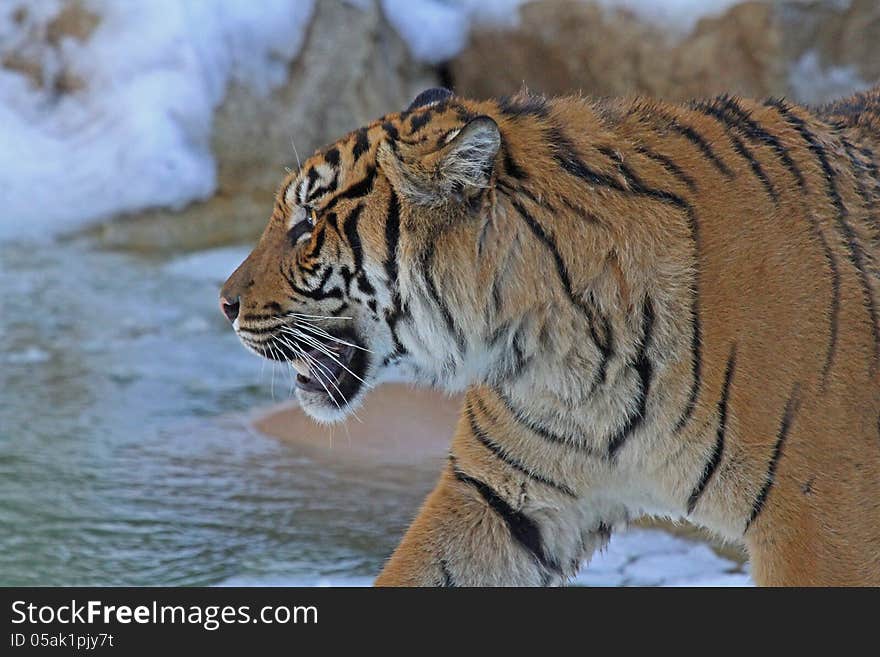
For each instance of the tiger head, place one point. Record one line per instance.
(336, 284)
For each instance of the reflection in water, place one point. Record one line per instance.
(121, 462)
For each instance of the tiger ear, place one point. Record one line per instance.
(458, 171)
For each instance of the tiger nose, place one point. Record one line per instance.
(230, 308)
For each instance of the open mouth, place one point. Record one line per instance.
(317, 369)
(332, 367)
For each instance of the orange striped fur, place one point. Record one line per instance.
(653, 308)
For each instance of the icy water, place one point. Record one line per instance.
(125, 455)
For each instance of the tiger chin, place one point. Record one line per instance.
(653, 309)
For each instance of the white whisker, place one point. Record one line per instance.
(324, 350)
(298, 164)
(323, 334)
(316, 368)
(296, 315)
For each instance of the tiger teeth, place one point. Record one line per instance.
(301, 367)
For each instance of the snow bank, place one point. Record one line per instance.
(138, 134)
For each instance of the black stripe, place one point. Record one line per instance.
(832, 265)
(635, 185)
(858, 169)
(517, 106)
(606, 346)
(669, 164)
(717, 451)
(711, 110)
(392, 317)
(644, 369)
(392, 236)
(791, 407)
(696, 336)
(849, 239)
(427, 97)
(567, 157)
(354, 239)
(753, 130)
(418, 121)
(361, 144)
(501, 453)
(312, 177)
(318, 293)
(331, 157)
(326, 189)
(248, 317)
(605, 349)
(264, 330)
(320, 235)
(391, 131)
(694, 137)
(446, 577)
(427, 262)
(366, 287)
(522, 528)
(519, 357)
(541, 431)
(511, 168)
(497, 299)
(357, 190)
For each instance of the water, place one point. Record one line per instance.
(126, 457)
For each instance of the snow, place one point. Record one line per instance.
(643, 557)
(813, 83)
(436, 31)
(679, 16)
(638, 557)
(138, 135)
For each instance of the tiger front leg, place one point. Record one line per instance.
(491, 521)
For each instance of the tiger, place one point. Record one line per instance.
(651, 309)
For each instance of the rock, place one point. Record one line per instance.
(738, 52)
(753, 49)
(36, 53)
(352, 68)
(565, 46)
(74, 20)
